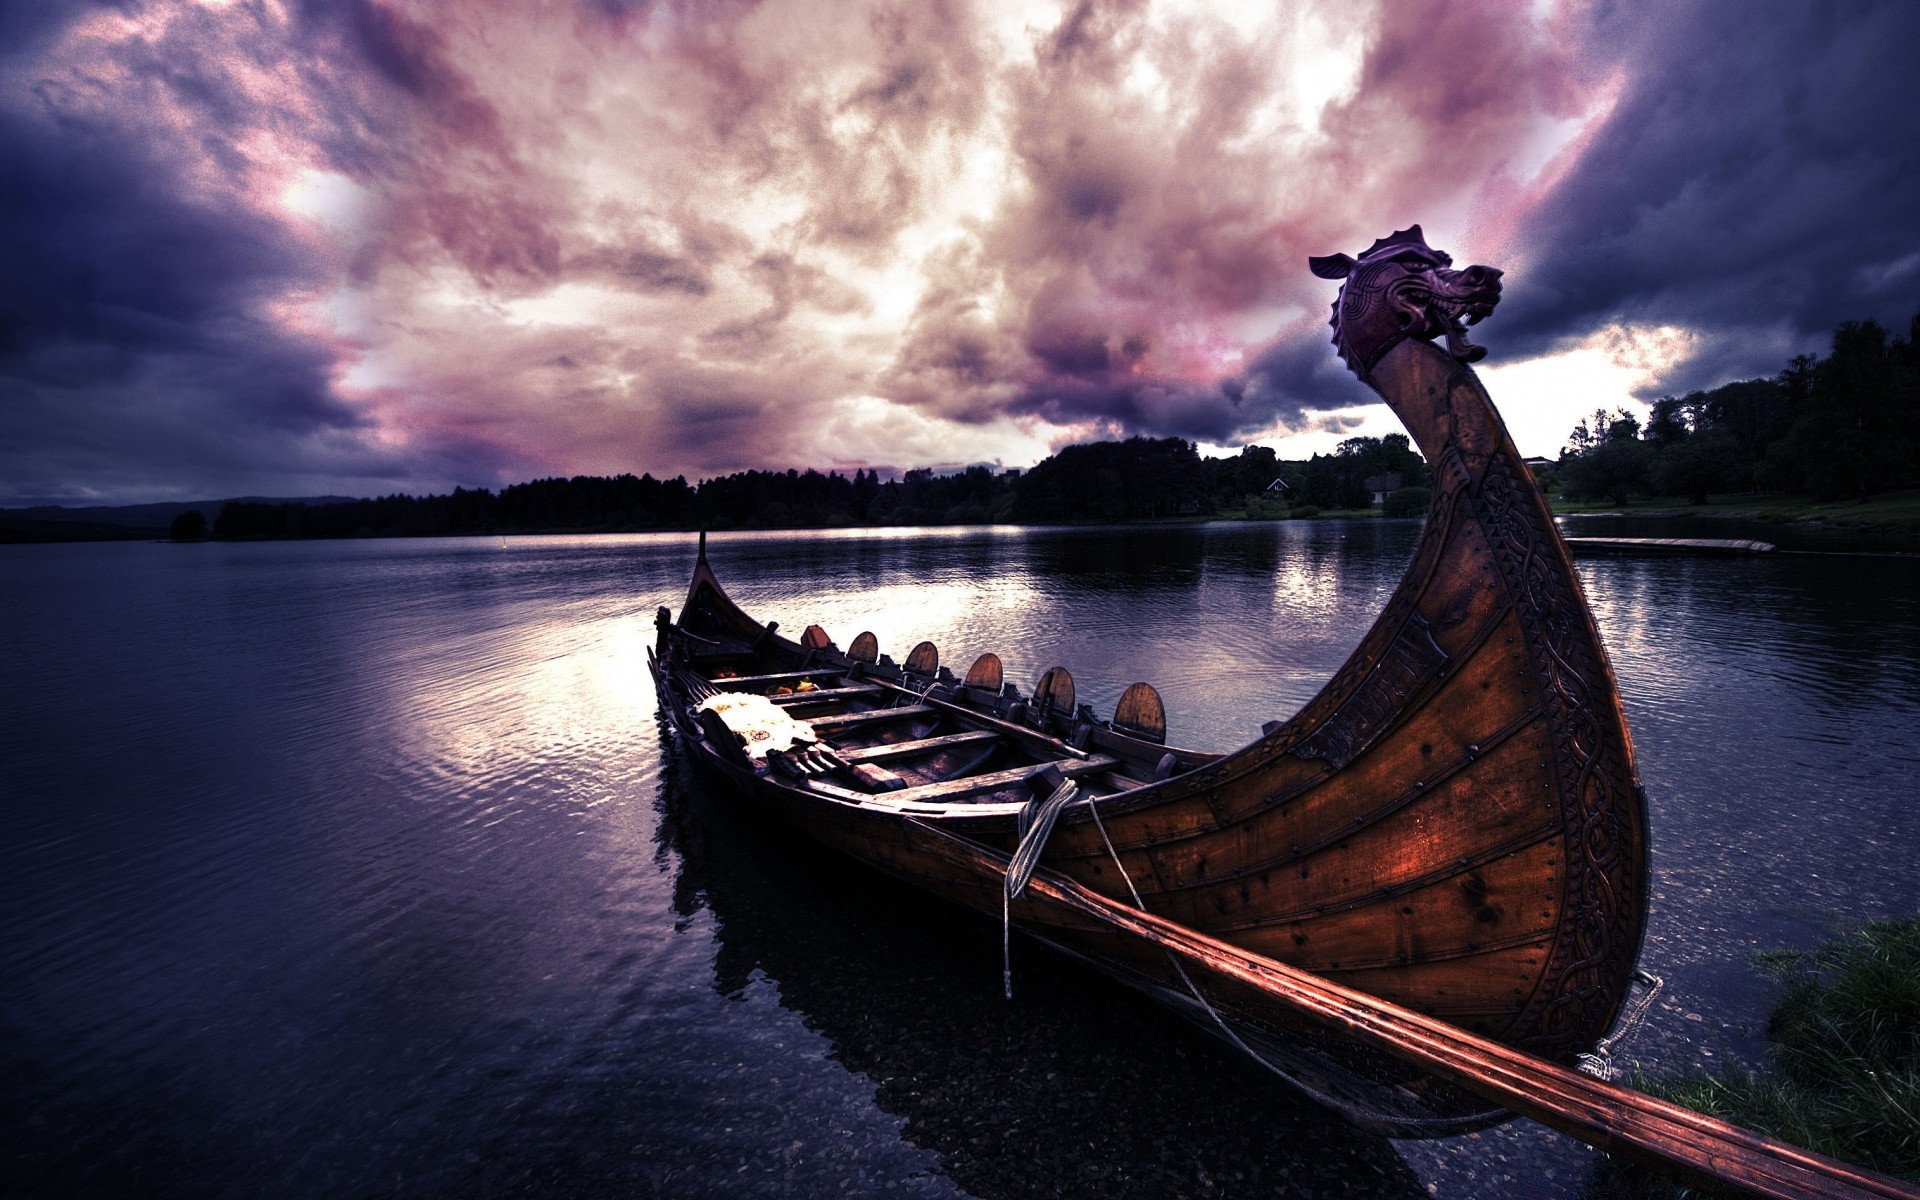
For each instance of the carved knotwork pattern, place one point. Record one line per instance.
(1587, 971)
(1408, 663)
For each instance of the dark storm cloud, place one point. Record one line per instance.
(136, 350)
(1757, 182)
(698, 237)
(1149, 226)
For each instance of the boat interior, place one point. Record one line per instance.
(909, 737)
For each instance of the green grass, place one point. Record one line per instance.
(1846, 1053)
(1889, 510)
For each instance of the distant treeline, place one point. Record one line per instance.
(1843, 426)
(1137, 479)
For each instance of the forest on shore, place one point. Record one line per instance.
(1840, 426)
(1133, 480)
(1843, 426)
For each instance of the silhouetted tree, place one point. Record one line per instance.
(189, 526)
(1844, 425)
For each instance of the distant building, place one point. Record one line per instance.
(1536, 462)
(1381, 485)
(1279, 485)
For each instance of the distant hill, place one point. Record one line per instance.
(121, 522)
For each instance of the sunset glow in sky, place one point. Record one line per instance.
(253, 247)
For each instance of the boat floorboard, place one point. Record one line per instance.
(993, 781)
(846, 720)
(886, 750)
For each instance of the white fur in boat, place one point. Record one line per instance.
(762, 725)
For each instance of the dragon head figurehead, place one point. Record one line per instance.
(1403, 288)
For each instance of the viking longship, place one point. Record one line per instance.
(1453, 825)
(1419, 899)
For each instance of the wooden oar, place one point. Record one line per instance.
(1654, 1133)
(1031, 737)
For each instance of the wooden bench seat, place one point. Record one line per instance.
(847, 720)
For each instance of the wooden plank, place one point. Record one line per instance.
(1147, 752)
(777, 677)
(1667, 1137)
(888, 802)
(888, 750)
(993, 781)
(826, 695)
(1639, 545)
(1031, 738)
(846, 720)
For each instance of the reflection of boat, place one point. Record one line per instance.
(1441, 859)
(901, 986)
(1453, 824)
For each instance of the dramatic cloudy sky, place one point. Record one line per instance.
(361, 245)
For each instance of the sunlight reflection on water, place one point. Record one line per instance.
(353, 867)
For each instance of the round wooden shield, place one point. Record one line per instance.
(1141, 714)
(985, 672)
(865, 648)
(925, 659)
(1054, 692)
(815, 638)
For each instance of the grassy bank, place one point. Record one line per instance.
(1845, 1039)
(1898, 511)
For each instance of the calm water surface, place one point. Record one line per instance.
(359, 868)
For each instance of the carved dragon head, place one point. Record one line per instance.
(1402, 288)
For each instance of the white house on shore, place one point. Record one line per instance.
(1380, 486)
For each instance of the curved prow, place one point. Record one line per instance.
(1454, 822)
(709, 611)
(1486, 664)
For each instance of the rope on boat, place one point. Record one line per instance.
(1416, 1126)
(1598, 1062)
(1036, 825)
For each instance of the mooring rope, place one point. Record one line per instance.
(1036, 825)
(1598, 1062)
(1352, 1112)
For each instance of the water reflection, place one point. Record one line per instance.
(1846, 629)
(1075, 1087)
(337, 868)
(1792, 535)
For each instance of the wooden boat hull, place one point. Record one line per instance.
(1453, 824)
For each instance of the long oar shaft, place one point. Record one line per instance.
(1619, 1120)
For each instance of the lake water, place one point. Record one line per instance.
(358, 868)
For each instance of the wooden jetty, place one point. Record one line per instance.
(1696, 546)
